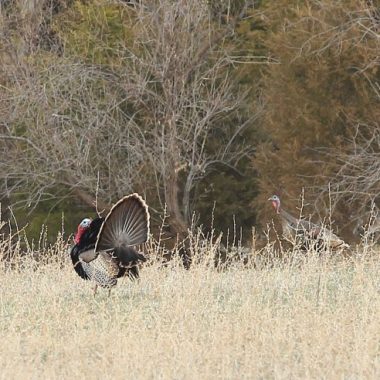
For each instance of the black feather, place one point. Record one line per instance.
(128, 259)
(87, 241)
(74, 254)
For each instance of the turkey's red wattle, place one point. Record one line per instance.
(79, 234)
(276, 206)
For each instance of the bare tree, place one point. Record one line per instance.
(145, 125)
(187, 98)
(356, 181)
(356, 178)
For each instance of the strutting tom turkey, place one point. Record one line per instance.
(104, 247)
(308, 234)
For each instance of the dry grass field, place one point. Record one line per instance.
(318, 319)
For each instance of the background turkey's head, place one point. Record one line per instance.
(275, 199)
(82, 227)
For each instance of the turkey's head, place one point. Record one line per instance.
(276, 203)
(82, 227)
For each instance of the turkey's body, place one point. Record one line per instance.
(104, 251)
(101, 272)
(306, 234)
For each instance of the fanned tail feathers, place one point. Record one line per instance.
(126, 225)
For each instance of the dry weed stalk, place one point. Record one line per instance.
(307, 321)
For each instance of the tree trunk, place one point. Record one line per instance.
(177, 221)
(178, 225)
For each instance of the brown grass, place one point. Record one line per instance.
(316, 320)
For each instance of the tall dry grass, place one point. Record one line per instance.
(307, 318)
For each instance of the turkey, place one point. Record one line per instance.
(104, 247)
(308, 234)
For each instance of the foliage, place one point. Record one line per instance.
(125, 111)
(292, 91)
(313, 98)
